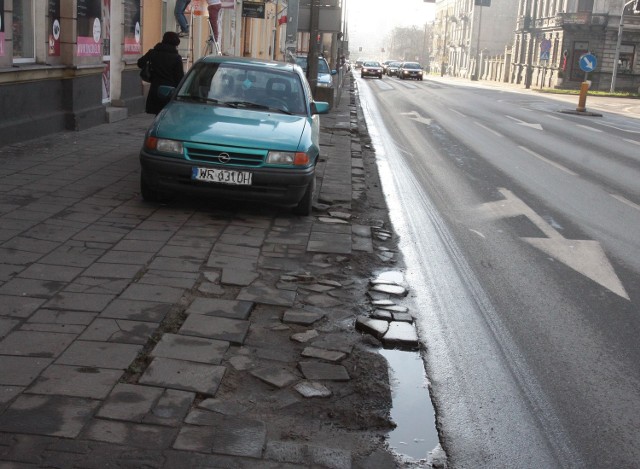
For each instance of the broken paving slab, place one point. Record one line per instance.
(238, 277)
(190, 348)
(322, 301)
(275, 376)
(149, 437)
(184, 375)
(303, 337)
(376, 327)
(264, 294)
(316, 371)
(390, 289)
(308, 455)
(301, 317)
(311, 389)
(402, 317)
(232, 309)
(402, 335)
(76, 381)
(232, 436)
(323, 354)
(382, 314)
(129, 402)
(213, 327)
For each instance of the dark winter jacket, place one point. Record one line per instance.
(166, 69)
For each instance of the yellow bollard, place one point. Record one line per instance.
(582, 102)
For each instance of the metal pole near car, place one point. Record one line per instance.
(616, 57)
(312, 58)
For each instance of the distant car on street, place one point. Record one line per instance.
(385, 65)
(235, 128)
(325, 74)
(371, 68)
(410, 70)
(392, 69)
(359, 63)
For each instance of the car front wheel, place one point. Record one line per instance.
(305, 205)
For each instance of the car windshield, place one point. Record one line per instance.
(394, 64)
(323, 67)
(371, 64)
(411, 65)
(244, 85)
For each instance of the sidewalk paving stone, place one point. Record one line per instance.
(144, 436)
(99, 354)
(212, 327)
(109, 270)
(62, 380)
(35, 343)
(183, 375)
(158, 293)
(232, 309)
(148, 311)
(52, 316)
(51, 272)
(19, 306)
(262, 293)
(225, 435)
(238, 277)
(317, 371)
(79, 301)
(31, 287)
(129, 402)
(21, 371)
(171, 409)
(308, 455)
(275, 376)
(48, 415)
(119, 330)
(195, 349)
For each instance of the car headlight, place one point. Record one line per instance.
(164, 145)
(287, 157)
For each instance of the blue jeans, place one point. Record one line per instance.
(181, 5)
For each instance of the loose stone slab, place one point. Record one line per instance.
(230, 330)
(278, 377)
(401, 334)
(224, 406)
(402, 317)
(184, 375)
(303, 337)
(382, 314)
(99, 354)
(238, 277)
(227, 435)
(232, 309)
(304, 318)
(191, 348)
(48, 415)
(323, 371)
(375, 327)
(395, 308)
(131, 434)
(171, 409)
(323, 354)
(312, 389)
(396, 290)
(136, 310)
(129, 402)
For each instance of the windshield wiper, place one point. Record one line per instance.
(251, 105)
(191, 97)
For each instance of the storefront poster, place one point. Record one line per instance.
(1, 28)
(89, 28)
(132, 31)
(54, 28)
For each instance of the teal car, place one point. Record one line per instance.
(236, 128)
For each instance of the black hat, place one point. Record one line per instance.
(171, 38)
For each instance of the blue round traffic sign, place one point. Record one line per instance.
(588, 62)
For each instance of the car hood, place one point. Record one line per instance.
(220, 125)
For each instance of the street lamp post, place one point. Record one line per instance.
(616, 57)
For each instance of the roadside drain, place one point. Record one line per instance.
(415, 435)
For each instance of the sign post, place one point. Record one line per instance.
(588, 63)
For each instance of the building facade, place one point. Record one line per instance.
(72, 64)
(466, 32)
(552, 35)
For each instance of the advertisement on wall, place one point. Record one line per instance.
(54, 28)
(132, 32)
(1, 28)
(89, 28)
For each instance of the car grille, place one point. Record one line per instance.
(235, 158)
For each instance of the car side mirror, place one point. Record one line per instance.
(319, 107)
(333, 72)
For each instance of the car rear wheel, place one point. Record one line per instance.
(305, 205)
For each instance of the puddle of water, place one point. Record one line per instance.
(415, 434)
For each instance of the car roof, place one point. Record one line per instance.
(258, 63)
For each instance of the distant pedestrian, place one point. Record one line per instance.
(166, 69)
(181, 6)
(213, 6)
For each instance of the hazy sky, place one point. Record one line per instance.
(371, 20)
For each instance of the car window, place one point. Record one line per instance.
(229, 82)
(323, 67)
(411, 65)
(371, 64)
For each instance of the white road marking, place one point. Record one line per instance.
(631, 141)
(413, 115)
(478, 233)
(497, 134)
(526, 124)
(584, 256)
(554, 117)
(591, 129)
(548, 161)
(458, 112)
(607, 124)
(625, 201)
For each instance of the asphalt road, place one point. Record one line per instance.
(520, 229)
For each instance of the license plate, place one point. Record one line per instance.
(222, 176)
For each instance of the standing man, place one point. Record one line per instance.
(181, 6)
(214, 10)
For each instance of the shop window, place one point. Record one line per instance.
(626, 57)
(23, 31)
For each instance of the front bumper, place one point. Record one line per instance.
(280, 186)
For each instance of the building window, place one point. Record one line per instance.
(23, 31)
(585, 5)
(626, 57)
